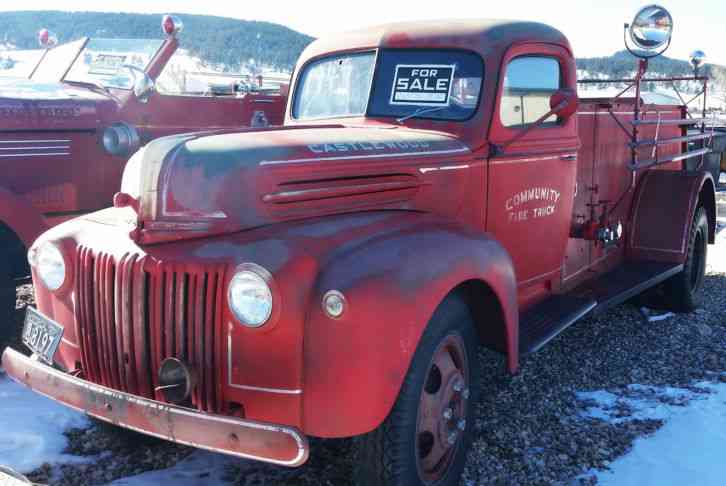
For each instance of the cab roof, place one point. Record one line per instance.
(485, 36)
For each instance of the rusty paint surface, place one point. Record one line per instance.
(393, 216)
(242, 438)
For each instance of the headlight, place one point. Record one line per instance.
(121, 139)
(250, 298)
(49, 264)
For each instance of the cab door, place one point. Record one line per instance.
(532, 181)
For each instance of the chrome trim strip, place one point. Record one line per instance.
(67, 342)
(373, 156)
(540, 276)
(535, 159)
(424, 170)
(35, 154)
(35, 141)
(283, 391)
(44, 147)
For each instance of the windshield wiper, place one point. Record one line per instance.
(419, 111)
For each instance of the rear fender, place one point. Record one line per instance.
(354, 365)
(20, 216)
(663, 209)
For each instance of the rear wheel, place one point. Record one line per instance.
(681, 290)
(425, 438)
(9, 329)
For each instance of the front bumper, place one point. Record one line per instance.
(272, 443)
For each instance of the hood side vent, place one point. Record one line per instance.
(344, 187)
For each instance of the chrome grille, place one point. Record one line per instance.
(133, 313)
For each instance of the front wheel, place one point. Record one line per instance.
(425, 438)
(681, 290)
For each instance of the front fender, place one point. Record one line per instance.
(21, 217)
(393, 282)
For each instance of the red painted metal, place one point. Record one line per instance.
(393, 216)
(65, 122)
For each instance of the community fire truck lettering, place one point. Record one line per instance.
(536, 194)
(532, 194)
(335, 276)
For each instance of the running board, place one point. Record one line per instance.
(544, 321)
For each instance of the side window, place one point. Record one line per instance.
(529, 82)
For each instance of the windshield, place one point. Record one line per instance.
(423, 83)
(101, 61)
(335, 86)
(56, 62)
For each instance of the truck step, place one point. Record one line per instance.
(547, 319)
(544, 321)
(625, 282)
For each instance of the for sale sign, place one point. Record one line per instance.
(422, 84)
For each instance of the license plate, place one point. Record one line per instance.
(41, 335)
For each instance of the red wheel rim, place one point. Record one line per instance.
(442, 409)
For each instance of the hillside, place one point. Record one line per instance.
(622, 65)
(216, 39)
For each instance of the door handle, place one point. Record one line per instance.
(568, 158)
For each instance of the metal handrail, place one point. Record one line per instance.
(666, 141)
(678, 121)
(671, 158)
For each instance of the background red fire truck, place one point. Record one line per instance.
(67, 131)
(436, 186)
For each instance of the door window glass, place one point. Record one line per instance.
(529, 83)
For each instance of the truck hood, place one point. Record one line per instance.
(29, 105)
(201, 184)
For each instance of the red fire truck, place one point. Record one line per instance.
(67, 131)
(436, 186)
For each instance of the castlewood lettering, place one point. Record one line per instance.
(322, 148)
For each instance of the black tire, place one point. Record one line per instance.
(389, 455)
(681, 291)
(9, 328)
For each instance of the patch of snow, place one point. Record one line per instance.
(32, 428)
(635, 402)
(199, 469)
(18, 64)
(688, 449)
(655, 316)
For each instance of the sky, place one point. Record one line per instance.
(594, 27)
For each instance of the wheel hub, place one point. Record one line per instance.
(442, 409)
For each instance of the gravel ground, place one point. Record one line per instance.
(529, 430)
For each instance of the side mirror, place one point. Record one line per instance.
(144, 86)
(564, 103)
